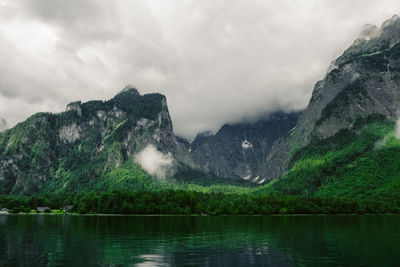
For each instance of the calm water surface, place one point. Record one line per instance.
(199, 241)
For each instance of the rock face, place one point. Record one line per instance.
(47, 147)
(365, 80)
(238, 150)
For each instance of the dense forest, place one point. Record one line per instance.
(362, 163)
(192, 202)
(355, 171)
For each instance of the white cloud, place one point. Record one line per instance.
(398, 128)
(216, 61)
(155, 162)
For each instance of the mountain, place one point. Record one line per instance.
(345, 144)
(238, 150)
(361, 164)
(3, 125)
(75, 149)
(364, 81)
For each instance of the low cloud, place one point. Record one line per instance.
(155, 162)
(382, 142)
(398, 128)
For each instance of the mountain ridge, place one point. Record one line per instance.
(74, 147)
(238, 149)
(364, 80)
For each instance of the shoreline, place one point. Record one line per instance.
(195, 215)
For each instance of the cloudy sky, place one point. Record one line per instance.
(217, 61)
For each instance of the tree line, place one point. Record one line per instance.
(191, 202)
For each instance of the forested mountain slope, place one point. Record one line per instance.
(361, 163)
(73, 149)
(364, 81)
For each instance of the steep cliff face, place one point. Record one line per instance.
(365, 80)
(238, 150)
(70, 149)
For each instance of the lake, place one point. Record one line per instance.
(46, 240)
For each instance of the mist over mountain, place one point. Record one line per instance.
(363, 81)
(215, 62)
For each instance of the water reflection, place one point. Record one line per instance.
(199, 241)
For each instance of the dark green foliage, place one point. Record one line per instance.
(146, 106)
(47, 211)
(130, 176)
(355, 171)
(36, 159)
(20, 209)
(190, 202)
(31, 145)
(186, 174)
(362, 164)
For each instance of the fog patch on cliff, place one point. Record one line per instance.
(3, 125)
(155, 162)
(397, 129)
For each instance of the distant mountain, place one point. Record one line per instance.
(238, 150)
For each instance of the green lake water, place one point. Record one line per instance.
(45, 240)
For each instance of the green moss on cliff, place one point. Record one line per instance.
(362, 163)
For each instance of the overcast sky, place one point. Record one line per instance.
(217, 61)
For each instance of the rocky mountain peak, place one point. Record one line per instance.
(373, 40)
(393, 22)
(363, 81)
(369, 31)
(129, 89)
(390, 26)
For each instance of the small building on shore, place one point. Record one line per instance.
(68, 208)
(4, 211)
(43, 209)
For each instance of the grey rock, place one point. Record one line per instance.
(34, 152)
(238, 150)
(364, 80)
